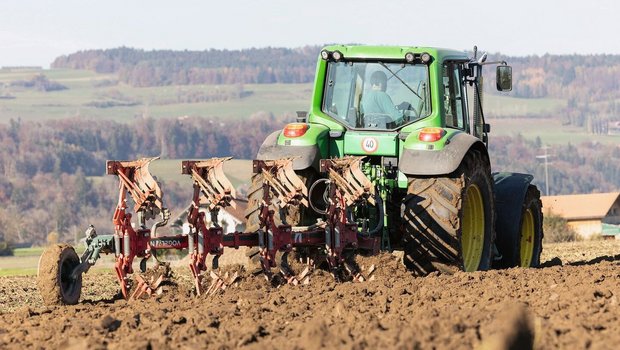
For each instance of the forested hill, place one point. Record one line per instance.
(165, 67)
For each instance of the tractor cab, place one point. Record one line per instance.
(375, 94)
(367, 88)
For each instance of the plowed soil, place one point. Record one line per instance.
(571, 302)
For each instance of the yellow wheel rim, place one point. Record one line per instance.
(526, 246)
(472, 232)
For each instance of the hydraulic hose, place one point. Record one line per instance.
(379, 226)
(325, 194)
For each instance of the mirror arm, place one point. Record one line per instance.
(503, 63)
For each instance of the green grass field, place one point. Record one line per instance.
(25, 261)
(85, 87)
(505, 106)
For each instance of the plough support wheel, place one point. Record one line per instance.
(55, 279)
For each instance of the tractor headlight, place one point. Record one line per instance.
(409, 57)
(337, 55)
(426, 57)
(325, 55)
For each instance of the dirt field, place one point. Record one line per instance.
(570, 303)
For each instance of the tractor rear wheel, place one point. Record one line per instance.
(449, 221)
(54, 277)
(255, 197)
(295, 215)
(526, 245)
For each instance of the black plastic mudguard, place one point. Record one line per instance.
(444, 161)
(510, 191)
(305, 156)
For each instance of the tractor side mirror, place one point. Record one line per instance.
(503, 78)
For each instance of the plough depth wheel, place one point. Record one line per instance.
(55, 278)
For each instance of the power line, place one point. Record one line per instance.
(546, 158)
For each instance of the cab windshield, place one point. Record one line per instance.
(376, 95)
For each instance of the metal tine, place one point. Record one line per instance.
(223, 179)
(214, 184)
(357, 174)
(216, 178)
(351, 194)
(282, 188)
(350, 179)
(277, 187)
(143, 177)
(291, 190)
(288, 182)
(342, 185)
(227, 188)
(140, 183)
(141, 288)
(212, 195)
(292, 177)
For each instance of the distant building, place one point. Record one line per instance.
(587, 214)
(613, 128)
(230, 219)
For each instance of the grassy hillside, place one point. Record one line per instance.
(121, 102)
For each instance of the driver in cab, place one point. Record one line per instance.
(377, 101)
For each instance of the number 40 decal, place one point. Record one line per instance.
(370, 144)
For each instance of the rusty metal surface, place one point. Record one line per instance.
(345, 173)
(136, 179)
(285, 185)
(209, 175)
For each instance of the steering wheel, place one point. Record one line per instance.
(408, 111)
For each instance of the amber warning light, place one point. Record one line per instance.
(431, 134)
(295, 129)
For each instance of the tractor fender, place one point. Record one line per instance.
(442, 161)
(510, 191)
(305, 156)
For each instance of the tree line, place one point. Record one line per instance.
(66, 145)
(166, 67)
(576, 168)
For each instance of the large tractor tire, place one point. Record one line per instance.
(255, 197)
(449, 221)
(54, 276)
(295, 215)
(526, 243)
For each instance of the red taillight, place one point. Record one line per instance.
(431, 134)
(295, 129)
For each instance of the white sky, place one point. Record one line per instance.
(35, 32)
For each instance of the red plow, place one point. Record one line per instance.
(332, 241)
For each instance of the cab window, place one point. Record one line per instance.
(454, 101)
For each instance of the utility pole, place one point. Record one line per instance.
(546, 158)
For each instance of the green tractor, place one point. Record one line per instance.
(413, 118)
